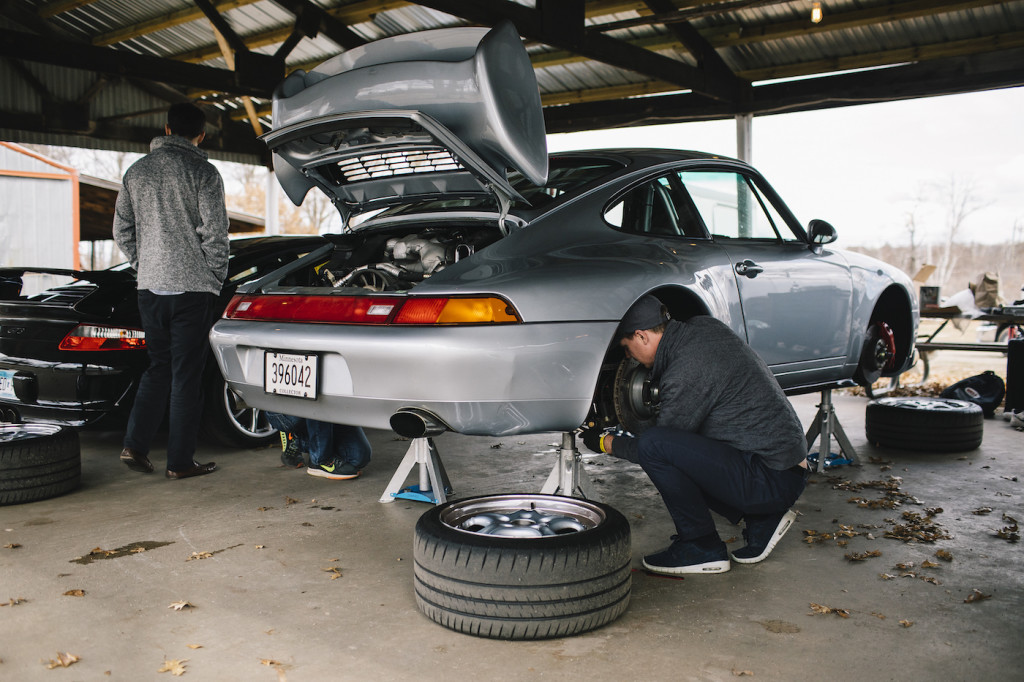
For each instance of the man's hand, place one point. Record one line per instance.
(591, 436)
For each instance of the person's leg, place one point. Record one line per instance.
(190, 328)
(351, 445)
(154, 386)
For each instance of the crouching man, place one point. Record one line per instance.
(726, 439)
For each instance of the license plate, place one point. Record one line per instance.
(7, 384)
(290, 374)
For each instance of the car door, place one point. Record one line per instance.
(796, 300)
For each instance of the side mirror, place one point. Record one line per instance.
(820, 232)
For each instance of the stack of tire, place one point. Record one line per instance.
(38, 461)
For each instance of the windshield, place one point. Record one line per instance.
(564, 175)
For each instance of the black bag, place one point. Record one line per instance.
(985, 389)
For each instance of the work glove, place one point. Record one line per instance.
(591, 437)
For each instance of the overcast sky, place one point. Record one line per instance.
(861, 167)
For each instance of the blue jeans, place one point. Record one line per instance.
(177, 329)
(324, 441)
(697, 475)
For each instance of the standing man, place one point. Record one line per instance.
(726, 439)
(171, 222)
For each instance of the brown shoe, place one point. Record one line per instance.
(196, 470)
(136, 461)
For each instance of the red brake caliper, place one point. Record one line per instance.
(889, 339)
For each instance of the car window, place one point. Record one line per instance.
(656, 207)
(732, 207)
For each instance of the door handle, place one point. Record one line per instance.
(748, 268)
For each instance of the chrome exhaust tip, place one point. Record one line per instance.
(410, 422)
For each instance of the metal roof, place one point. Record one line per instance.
(100, 73)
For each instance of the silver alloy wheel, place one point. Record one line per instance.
(24, 431)
(523, 516)
(249, 421)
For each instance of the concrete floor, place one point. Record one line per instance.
(308, 579)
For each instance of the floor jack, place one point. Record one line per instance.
(826, 424)
(434, 486)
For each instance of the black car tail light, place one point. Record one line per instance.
(96, 337)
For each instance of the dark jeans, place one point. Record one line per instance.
(325, 442)
(177, 329)
(696, 475)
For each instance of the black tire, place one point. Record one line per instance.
(519, 588)
(37, 462)
(924, 424)
(229, 421)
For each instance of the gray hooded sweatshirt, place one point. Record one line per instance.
(712, 383)
(170, 219)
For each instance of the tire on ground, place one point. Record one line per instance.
(519, 588)
(220, 419)
(38, 461)
(924, 424)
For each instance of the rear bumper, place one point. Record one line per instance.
(488, 380)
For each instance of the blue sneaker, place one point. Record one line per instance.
(762, 533)
(684, 557)
(337, 471)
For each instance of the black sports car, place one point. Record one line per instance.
(73, 354)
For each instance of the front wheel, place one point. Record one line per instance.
(522, 566)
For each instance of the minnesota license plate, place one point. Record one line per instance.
(290, 374)
(7, 384)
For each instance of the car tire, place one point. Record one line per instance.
(230, 423)
(924, 424)
(506, 581)
(38, 461)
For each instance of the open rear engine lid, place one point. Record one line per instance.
(435, 114)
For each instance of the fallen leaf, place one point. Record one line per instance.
(822, 609)
(75, 593)
(194, 646)
(290, 500)
(199, 555)
(138, 550)
(929, 564)
(905, 566)
(14, 601)
(179, 605)
(977, 596)
(943, 554)
(176, 668)
(743, 673)
(879, 616)
(99, 551)
(980, 511)
(269, 662)
(263, 508)
(906, 623)
(260, 547)
(334, 571)
(12, 545)
(64, 660)
(929, 579)
(861, 556)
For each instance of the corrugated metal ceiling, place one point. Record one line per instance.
(598, 63)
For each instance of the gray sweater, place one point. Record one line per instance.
(712, 383)
(170, 219)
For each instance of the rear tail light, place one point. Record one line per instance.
(372, 310)
(95, 337)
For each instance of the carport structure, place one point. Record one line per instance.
(282, 577)
(100, 73)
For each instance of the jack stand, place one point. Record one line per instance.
(568, 477)
(434, 485)
(827, 424)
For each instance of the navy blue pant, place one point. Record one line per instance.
(697, 475)
(325, 442)
(177, 329)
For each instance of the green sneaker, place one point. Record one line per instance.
(338, 471)
(291, 456)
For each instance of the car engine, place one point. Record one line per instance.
(407, 260)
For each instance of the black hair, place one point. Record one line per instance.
(186, 119)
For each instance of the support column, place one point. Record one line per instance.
(745, 137)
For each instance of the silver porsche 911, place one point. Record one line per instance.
(478, 282)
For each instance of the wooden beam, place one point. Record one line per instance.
(52, 9)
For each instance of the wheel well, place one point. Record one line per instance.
(893, 308)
